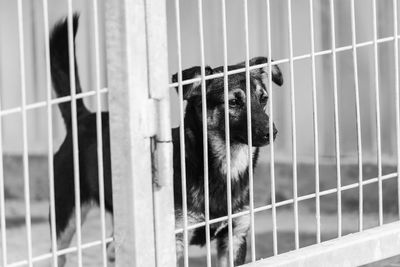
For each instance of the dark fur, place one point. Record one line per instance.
(216, 128)
(63, 159)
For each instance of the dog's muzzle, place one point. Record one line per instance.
(263, 139)
(266, 137)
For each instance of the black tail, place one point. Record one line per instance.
(60, 68)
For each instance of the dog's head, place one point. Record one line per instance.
(237, 101)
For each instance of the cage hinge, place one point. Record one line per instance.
(158, 129)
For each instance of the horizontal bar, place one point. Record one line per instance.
(291, 201)
(351, 250)
(54, 101)
(60, 252)
(285, 60)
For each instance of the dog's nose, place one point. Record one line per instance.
(266, 137)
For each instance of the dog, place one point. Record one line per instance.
(88, 171)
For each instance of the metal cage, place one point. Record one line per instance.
(136, 45)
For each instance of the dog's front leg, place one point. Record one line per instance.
(239, 250)
(240, 229)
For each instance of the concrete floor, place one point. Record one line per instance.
(15, 210)
(17, 249)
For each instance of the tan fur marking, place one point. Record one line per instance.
(242, 225)
(192, 218)
(64, 239)
(239, 156)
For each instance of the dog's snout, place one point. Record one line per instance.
(274, 133)
(266, 136)
(261, 135)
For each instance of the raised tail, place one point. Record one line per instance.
(60, 75)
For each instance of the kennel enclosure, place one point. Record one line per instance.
(346, 111)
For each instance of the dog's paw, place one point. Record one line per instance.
(111, 252)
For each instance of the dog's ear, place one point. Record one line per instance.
(276, 72)
(191, 89)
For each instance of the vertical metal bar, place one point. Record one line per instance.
(293, 113)
(25, 158)
(336, 118)
(163, 196)
(315, 124)
(205, 135)
(358, 122)
(74, 122)
(249, 139)
(2, 199)
(378, 111)
(397, 101)
(227, 137)
(99, 135)
(182, 137)
(130, 148)
(271, 126)
(50, 136)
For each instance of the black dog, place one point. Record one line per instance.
(63, 159)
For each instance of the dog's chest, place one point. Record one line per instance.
(239, 158)
(239, 162)
(217, 182)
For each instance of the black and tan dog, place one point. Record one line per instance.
(63, 159)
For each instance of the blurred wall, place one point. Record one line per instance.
(302, 69)
(35, 68)
(34, 47)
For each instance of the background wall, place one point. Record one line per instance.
(10, 85)
(34, 48)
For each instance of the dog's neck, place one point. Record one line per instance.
(239, 156)
(239, 152)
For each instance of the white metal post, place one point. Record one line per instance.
(25, 156)
(397, 93)
(249, 139)
(336, 119)
(377, 111)
(294, 132)
(205, 134)
(182, 137)
(75, 141)
(50, 148)
(271, 143)
(227, 137)
(358, 120)
(156, 28)
(130, 149)
(315, 124)
(99, 135)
